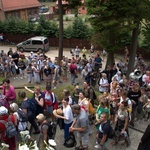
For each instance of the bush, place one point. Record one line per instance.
(59, 91)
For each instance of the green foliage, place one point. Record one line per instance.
(79, 29)
(59, 91)
(113, 21)
(146, 41)
(68, 32)
(46, 28)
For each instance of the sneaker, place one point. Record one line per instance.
(21, 78)
(97, 146)
(54, 87)
(14, 78)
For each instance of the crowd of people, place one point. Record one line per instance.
(121, 102)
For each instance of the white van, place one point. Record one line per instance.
(35, 44)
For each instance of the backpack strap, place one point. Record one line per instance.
(45, 123)
(53, 97)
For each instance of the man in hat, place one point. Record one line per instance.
(4, 116)
(81, 125)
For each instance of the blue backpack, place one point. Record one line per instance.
(32, 105)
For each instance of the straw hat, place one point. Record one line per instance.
(57, 112)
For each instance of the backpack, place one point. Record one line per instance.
(91, 109)
(54, 100)
(23, 116)
(70, 141)
(32, 105)
(72, 70)
(10, 128)
(111, 132)
(51, 132)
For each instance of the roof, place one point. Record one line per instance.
(19, 4)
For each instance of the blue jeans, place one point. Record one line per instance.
(72, 78)
(104, 145)
(66, 130)
(31, 119)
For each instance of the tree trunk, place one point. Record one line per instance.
(60, 53)
(132, 51)
(110, 59)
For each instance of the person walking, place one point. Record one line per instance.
(73, 72)
(81, 125)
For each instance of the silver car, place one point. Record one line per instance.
(35, 44)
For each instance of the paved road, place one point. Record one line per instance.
(134, 135)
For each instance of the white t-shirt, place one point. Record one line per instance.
(101, 83)
(122, 114)
(127, 100)
(67, 111)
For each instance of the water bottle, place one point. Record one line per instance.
(125, 134)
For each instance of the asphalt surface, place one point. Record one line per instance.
(134, 134)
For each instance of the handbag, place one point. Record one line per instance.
(70, 141)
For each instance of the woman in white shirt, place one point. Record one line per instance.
(103, 83)
(67, 116)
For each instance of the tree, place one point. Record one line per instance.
(146, 33)
(113, 19)
(71, 4)
(110, 27)
(136, 11)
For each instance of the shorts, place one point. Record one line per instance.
(84, 138)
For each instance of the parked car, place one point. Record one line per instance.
(36, 44)
(43, 9)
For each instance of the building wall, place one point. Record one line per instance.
(23, 14)
(2, 17)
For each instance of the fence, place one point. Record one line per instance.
(69, 43)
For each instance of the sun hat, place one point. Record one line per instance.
(57, 112)
(3, 110)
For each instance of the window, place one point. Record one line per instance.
(45, 41)
(28, 42)
(34, 42)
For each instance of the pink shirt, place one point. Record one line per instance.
(10, 93)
